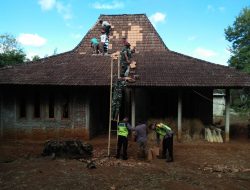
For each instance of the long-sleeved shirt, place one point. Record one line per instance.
(141, 133)
(105, 23)
(129, 126)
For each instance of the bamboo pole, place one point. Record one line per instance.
(119, 76)
(110, 103)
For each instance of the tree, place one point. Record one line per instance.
(239, 35)
(35, 58)
(10, 51)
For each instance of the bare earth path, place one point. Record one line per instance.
(198, 165)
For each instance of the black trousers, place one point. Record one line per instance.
(122, 144)
(167, 148)
(107, 30)
(105, 47)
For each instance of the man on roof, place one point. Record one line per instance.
(125, 41)
(125, 59)
(106, 26)
(95, 45)
(104, 42)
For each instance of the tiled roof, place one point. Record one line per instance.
(137, 28)
(157, 67)
(67, 69)
(173, 69)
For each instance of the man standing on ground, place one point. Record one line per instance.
(123, 130)
(141, 139)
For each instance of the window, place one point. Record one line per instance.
(22, 107)
(51, 106)
(65, 107)
(37, 106)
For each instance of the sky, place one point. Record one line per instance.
(191, 27)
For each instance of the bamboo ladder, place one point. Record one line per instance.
(114, 56)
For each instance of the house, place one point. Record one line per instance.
(67, 95)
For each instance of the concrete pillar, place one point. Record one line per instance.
(227, 115)
(127, 99)
(179, 115)
(133, 108)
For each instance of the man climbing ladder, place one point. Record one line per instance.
(117, 87)
(125, 60)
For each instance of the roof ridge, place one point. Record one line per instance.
(56, 55)
(36, 61)
(197, 59)
(156, 33)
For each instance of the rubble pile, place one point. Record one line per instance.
(109, 161)
(223, 169)
(68, 149)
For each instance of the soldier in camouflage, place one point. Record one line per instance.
(125, 59)
(117, 97)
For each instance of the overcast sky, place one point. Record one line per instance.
(191, 27)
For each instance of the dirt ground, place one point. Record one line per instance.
(197, 165)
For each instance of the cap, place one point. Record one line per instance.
(127, 44)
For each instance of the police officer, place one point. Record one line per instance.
(167, 134)
(123, 130)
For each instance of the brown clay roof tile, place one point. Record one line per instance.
(156, 64)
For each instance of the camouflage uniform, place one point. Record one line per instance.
(123, 61)
(117, 98)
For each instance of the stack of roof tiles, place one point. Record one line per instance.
(156, 64)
